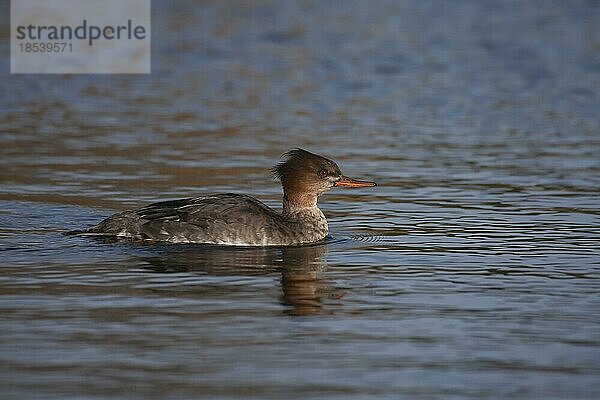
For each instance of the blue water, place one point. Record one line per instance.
(471, 271)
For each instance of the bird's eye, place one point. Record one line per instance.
(323, 173)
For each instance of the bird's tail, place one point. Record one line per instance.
(94, 230)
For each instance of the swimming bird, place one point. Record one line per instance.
(238, 219)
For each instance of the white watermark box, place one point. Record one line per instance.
(80, 36)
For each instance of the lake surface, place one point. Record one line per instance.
(471, 271)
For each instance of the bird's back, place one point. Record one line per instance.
(231, 219)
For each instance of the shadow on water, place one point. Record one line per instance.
(303, 283)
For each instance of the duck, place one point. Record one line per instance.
(233, 219)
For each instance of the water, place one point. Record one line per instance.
(471, 271)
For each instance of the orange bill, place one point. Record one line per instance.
(349, 182)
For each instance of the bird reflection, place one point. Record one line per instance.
(303, 285)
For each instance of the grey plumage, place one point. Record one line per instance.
(235, 219)
(225, 218)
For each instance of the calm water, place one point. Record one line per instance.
(472, 271)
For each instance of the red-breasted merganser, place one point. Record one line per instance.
(236, 219)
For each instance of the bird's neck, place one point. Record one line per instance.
(294, 202)
(304, 218)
